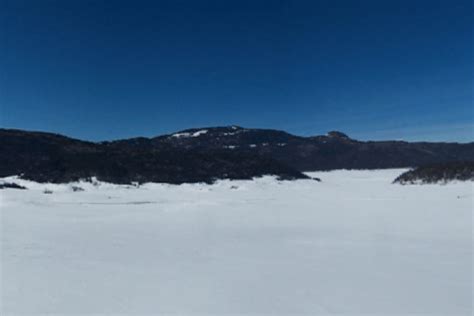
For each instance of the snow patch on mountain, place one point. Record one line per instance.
(189, 134)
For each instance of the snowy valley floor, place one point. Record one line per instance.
(353, 244)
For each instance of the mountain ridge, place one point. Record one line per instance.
(209, 153)
(224, 127)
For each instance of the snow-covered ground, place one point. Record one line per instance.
(353, 244)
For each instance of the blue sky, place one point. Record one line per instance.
(114, 69)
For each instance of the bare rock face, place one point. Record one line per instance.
(207, 154)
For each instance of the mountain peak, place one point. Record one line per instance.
(209, 131)
(337, 134)
(207, 153)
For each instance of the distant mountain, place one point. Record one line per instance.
(435, 173)
(206, 154)
(335, 150)
(45, 157)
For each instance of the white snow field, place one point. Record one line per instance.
(353, 244)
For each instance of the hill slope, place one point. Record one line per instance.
(206, 154)
(54, 158)
(434, 173)
(326, 152)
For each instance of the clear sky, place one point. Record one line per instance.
(391, 69)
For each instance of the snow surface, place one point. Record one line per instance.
(353, 244)
(186, 134)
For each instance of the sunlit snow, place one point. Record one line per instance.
(353, 244)
(186, 134)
